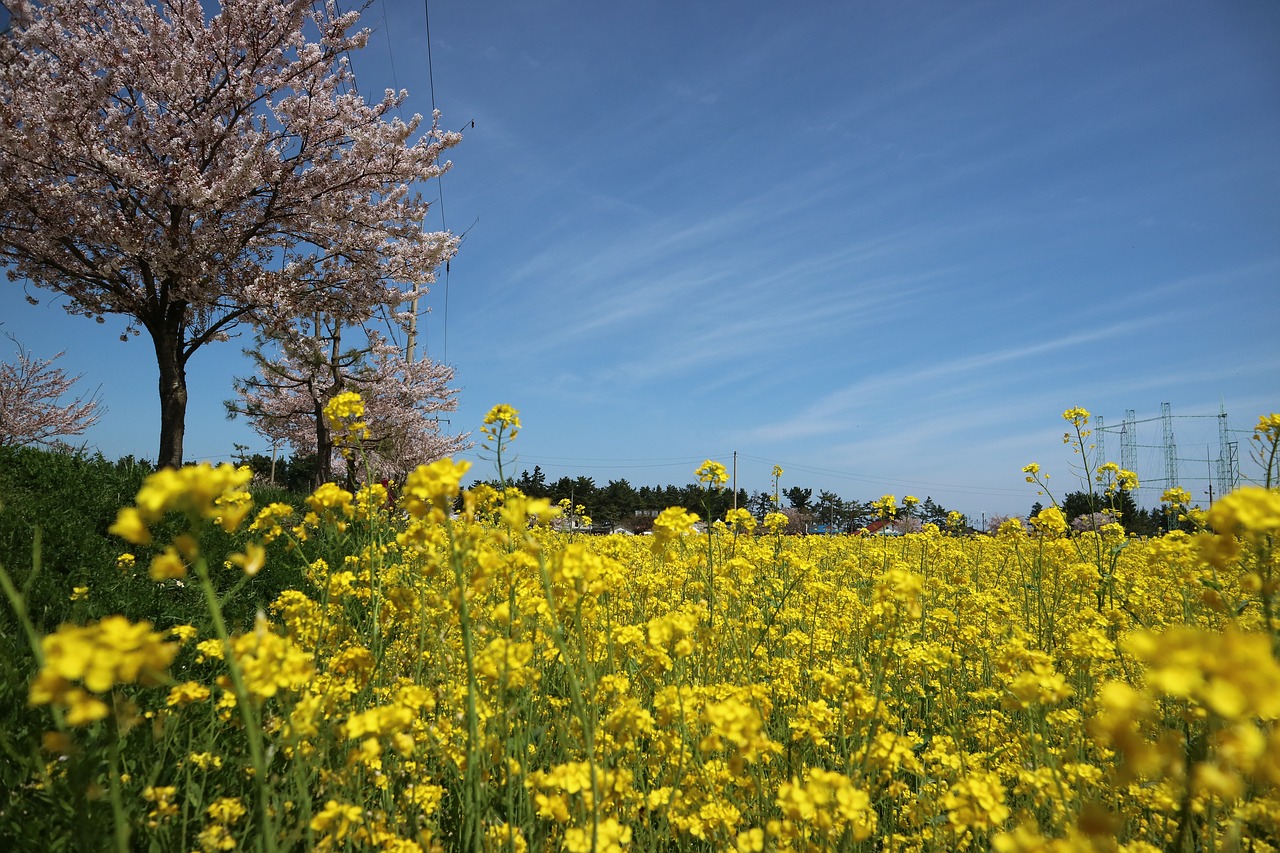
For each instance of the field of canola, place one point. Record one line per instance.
(472, 681)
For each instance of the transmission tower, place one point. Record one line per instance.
(1129, 442)
(1170, 451)
(1228, 457)
(1101, 443)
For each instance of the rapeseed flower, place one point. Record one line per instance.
(501, 425)
(1077, 415)
(270, 662)
(1250, 511)
(712, 473)
(824, 805)
(205, 760)
(776, 522)
(608, 836)
(503, 836)
(740, 520)
(335, 822)
(926, 693)
(267, 521)
(1231, 673)
(976, 802)
(1267, 430)
(187, 692)
(226, 810)
(430, 489)
(1010, 527)
(251, 560)
(98, 656)
(344, 414)
(162, 802)
(201, 492)
(670, 525)
(1050, 521)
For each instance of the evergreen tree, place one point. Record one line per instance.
(798, 498)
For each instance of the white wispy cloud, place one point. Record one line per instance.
(835, 408)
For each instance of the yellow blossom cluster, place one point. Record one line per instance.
(98, 657)
(344, 415)
(671, 524)
(501, 424)
(740, 520)
(712, 473)
(199, 491)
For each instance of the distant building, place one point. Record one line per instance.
(882, 527)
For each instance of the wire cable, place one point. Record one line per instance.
(444, 226)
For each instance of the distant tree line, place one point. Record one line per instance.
(296, 473)
(618, 503)
(1121, 506)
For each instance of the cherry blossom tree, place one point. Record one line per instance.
(907, 524)
(31, 411)
(995, 522)
(192, 173)
(403, 400)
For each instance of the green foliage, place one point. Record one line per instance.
(292, 473)
(55, 509)
(799, 498)
(54, 512)
(618, 502)
(1119, 503)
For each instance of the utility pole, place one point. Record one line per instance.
(411, 340)
(735, 479)
(1209, 465)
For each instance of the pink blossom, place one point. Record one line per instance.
(403, 401)
(30, 411)
(194, 174)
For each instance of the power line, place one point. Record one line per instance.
(1224, 470)
(351, 71)
(431, 83)
(885, 481)
(542, 462)
(691, 461)
(1153, 420)
(621, 460)
(391, 56)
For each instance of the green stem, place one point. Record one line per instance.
(253, 729)
(117, 801)
(472, 838)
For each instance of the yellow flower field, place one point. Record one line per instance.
(461, 677)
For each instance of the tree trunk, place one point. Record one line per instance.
(324, 449)
(173, 394)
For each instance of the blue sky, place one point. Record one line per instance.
(884, 245)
